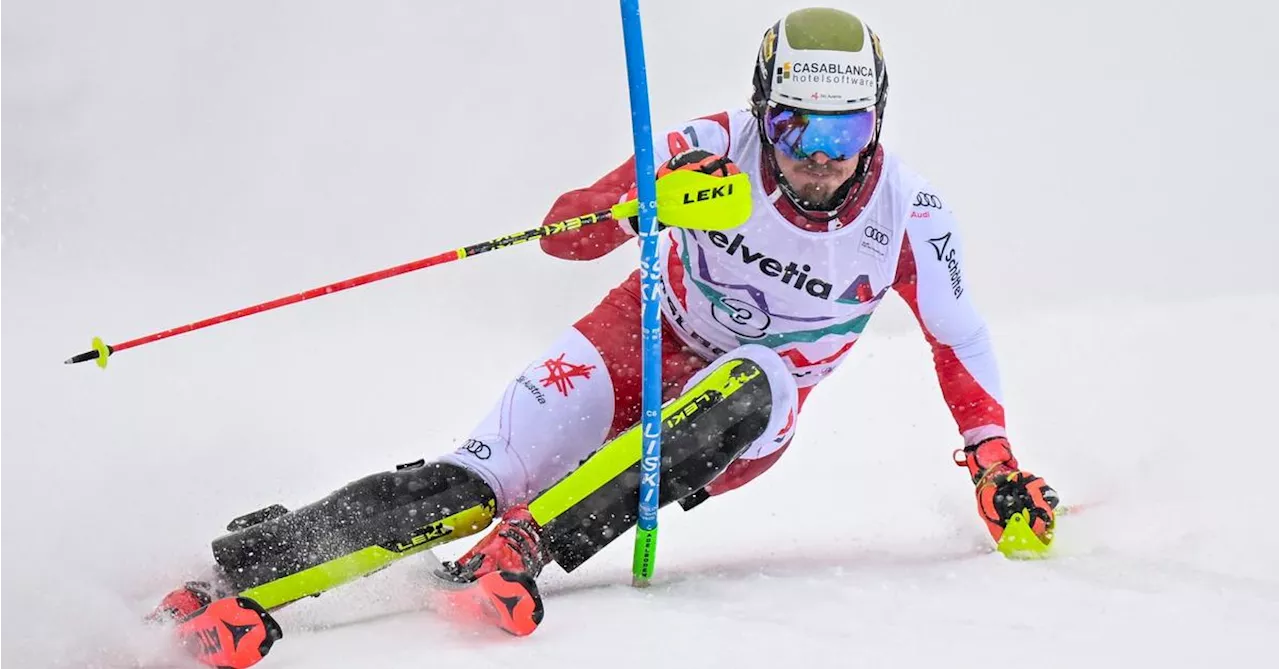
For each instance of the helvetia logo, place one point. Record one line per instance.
(796, 276)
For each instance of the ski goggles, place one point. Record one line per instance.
(800, 133)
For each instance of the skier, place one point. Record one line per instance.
(837, 221)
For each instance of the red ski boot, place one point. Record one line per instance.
(494, 581)
(217, 629)
(230, 633)
(188, 599)
(512, 545)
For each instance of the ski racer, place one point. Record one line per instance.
(837, 221)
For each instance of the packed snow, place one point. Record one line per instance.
(165, 162)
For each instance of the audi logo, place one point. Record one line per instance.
(477, 448)
(875, 235)
(928, 200)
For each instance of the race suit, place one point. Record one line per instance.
(803, 290)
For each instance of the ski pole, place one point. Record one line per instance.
(679, 198)
(101, 351)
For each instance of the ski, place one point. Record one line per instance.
(274, 556)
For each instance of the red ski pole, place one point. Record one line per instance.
(686, 199)
(101, 351)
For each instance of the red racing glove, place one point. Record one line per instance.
(693, 159)
(1003, 489)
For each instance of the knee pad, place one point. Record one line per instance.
(782, 417)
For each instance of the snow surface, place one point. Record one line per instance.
(168, 161)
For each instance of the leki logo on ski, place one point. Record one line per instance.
(696, 405)
(422, 535)
(561, 374)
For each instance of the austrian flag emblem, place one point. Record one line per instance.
(561, 374)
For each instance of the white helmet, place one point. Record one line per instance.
(826, 65)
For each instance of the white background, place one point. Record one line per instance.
(1114, 167)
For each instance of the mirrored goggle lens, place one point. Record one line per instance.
(802, 133)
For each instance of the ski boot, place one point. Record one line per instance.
(216, 627)
(232, 632)
(191, 597)
(494, 581)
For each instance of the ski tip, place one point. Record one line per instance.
(1074, 509)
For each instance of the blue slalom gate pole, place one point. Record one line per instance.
(650, 290)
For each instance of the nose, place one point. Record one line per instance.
(820, 158)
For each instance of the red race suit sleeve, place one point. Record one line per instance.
(931, 278)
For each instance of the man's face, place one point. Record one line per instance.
(816, 178)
